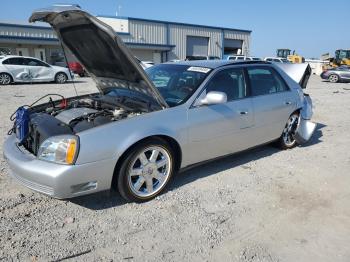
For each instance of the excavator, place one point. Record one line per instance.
(342, 57)
(286, 53)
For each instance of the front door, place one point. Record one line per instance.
(216, 130)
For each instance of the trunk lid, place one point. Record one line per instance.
(300, 73)
(99, 49)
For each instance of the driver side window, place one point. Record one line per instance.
(229, 81)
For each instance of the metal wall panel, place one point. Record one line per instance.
(146, 32)
(178, 35)
(244, 36)
(142, 32)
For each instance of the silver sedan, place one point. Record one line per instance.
(143, 127)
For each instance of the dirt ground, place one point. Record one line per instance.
(260, 205)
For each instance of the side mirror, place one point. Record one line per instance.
(213, 98)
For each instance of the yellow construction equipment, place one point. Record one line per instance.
(286, 53)
(342, 57)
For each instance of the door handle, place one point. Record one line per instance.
(243, 113)
(288, 103)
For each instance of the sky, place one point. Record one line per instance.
(310, 27)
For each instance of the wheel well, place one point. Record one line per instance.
(61, 73)
(174, 145)
(333, 74)
(8, 75)
(296, 111)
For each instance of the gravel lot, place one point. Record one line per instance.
(260, 205)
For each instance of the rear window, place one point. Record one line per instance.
(265, 81)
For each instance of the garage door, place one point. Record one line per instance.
(231, 46)
(197, 46)
(144, 55)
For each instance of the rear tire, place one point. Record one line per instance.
(61, 78)
(5, 79)
(333, 78)
(287, 139)
(146, 170)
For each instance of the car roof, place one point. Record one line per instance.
(18, 56)
(215, 63)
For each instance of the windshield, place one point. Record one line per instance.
(177, 83)
(344, 54)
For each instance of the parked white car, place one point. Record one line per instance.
(277, 60)
(242, 58)
(20, 69)
(253, 58)
(235, 57)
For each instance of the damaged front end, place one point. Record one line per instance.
(34, 124)
(125, 89)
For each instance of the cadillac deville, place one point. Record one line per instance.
(144, 126)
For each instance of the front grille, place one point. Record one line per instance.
(32, 142)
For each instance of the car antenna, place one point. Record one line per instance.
(66, 60)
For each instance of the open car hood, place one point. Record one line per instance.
(300, 73)
(99, 49)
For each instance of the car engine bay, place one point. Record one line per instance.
(34, 124)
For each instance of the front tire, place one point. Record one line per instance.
(146, 170)
(61, 78)
(287, 139)
(333, 78)
(5, 79)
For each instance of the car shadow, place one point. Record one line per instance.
(108, 199)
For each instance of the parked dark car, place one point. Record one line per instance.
(339, 74)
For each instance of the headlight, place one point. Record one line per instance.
(59, 149)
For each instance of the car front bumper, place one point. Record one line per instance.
(324, 76)
(56, 180)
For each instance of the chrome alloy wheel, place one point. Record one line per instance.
(5, 79)
(61, 78)
(289, 130)
(333, 78)
(149, 171)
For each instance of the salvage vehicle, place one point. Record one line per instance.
(143, 127)
(21, 69)
(338, 74)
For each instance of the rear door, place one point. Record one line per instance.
(216, 130)
(15, 65)
(38, 70)
(273, 102)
